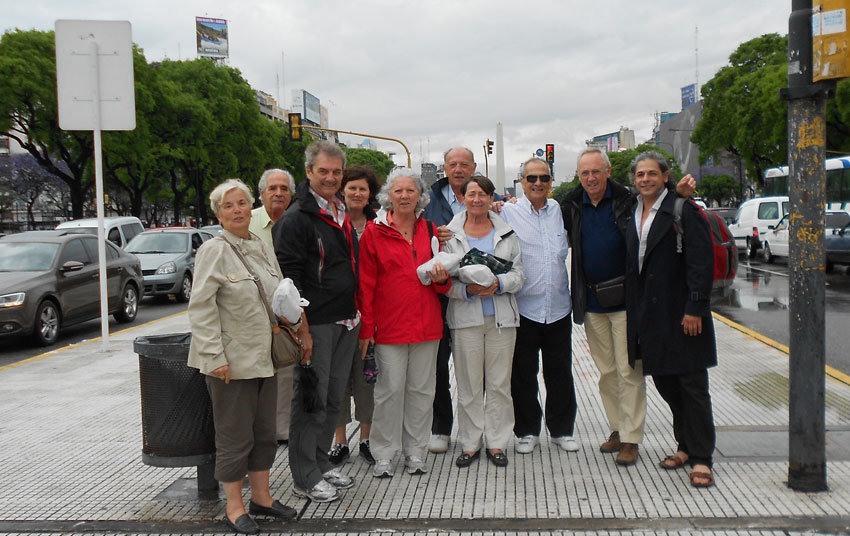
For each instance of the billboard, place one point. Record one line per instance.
(212, 38)
(312, 109)
(689, 95)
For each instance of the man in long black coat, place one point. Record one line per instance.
(669, 319)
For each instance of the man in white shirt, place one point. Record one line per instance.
(545, 324)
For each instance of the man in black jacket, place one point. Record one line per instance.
(316, 246)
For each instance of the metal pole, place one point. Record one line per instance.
(98, 181)
(406, 150)
(807, 176)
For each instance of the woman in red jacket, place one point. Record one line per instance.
(402, 317)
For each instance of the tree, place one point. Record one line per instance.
(29, 115)
(23, 177)
(621, 163)
(719, 188)
(560, 193)
(379, 162)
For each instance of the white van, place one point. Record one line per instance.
(119, 230)
(752, 221)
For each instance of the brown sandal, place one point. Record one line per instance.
(677, 462)
(701, 474)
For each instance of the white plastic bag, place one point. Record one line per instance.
(287, 302)
(450, 262)
(477, 274)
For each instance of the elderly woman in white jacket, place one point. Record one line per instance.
(231, 345)
(483, 322)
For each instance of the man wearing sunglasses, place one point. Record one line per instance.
(544, 306)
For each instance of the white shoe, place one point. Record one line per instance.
(338, 480)
(322, 492)
(438, 444)
(566, 442)
(526, 444)
(383, 468)
(415, 465)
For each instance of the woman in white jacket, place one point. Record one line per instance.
(483, 322)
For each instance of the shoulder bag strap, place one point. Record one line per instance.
(272, 316)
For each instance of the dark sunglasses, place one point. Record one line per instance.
(533, 178)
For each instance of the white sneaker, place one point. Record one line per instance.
(438, 444)
(338, 480)
(383, 468)
(566, 442)
(322, 492)
(415, 465)
(526, 444)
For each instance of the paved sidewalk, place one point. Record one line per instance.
(70, 462)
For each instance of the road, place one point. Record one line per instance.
(759, 300)
(16, 349)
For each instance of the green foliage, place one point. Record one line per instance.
(719, 188)
(621, 163)
(559, 193)
(379, 162)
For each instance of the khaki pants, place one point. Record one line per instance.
(483, 360)
(621, 387)
(404, 399)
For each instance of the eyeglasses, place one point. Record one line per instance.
(533, 178)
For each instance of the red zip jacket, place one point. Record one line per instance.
(395, 307)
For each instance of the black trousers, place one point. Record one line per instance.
(693, 421)
(443, 412)
(554, 342)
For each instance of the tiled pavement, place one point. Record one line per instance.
(70, 445)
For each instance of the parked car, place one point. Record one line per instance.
(119, 230)
(837, 245)
(49, 280)
(215, 230)
(775, 240)
(168, 259)
(727, 213)
(752, 221)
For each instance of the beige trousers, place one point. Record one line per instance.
(404, 399)
(284, 401)
(621, 387)
(483, 359)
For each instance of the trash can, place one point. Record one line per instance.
(177, 421)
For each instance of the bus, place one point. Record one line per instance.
(837, 182)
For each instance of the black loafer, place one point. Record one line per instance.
(243, 524)
(277, 509)
(465, 460)
(499, 460)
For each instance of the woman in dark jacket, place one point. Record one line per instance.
(669, 319)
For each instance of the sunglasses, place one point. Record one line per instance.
(533, 178)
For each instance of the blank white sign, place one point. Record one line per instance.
(76, 76)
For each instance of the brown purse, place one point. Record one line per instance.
(286, 346)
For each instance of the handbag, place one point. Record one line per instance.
(286, 346)
(497, 265)
(610, 293)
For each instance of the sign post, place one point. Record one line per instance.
(94, 75)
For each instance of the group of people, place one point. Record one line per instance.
(640, 285)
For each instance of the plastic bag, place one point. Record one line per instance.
(477, 274)
(287, 301)
(450, 262)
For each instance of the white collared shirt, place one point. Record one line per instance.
(454, 203)
(643, 230)
(545, 297)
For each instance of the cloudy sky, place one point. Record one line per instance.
(436, 74)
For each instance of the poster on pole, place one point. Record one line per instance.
(212, 37)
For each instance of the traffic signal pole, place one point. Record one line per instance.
(300, 126)
(807, 178)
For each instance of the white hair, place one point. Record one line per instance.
(399, 172)
(218, 193)
(261, 186)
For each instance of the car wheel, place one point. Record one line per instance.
(766, 254)
(129, 305)
(751, 251)
(185, 289)
(46, 328)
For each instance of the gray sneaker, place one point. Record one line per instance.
(383, 468)
(322, 492)
(338, 480)
(415, 465)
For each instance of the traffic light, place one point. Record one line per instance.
(550, 152)
(295, 127)
(489, 147)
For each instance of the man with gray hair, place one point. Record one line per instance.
(316, 246)
(275, 187)
(545, 326)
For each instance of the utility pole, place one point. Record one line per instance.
(807, 178)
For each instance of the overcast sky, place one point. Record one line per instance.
(436, 74)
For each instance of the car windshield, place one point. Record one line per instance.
(837, 220)
(159, 243)
(27, 256)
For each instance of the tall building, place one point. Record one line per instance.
(613, 141)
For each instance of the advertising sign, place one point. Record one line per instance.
(312, 109)
(689, 95)
(212, 37)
